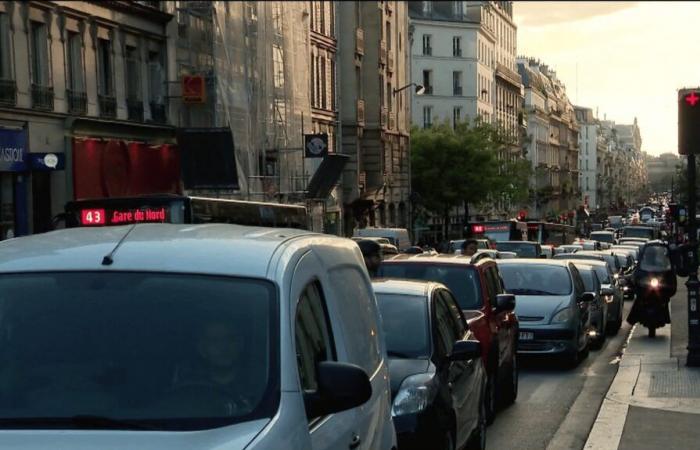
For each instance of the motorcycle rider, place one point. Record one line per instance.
(654, 281)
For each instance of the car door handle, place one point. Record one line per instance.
(355, 442)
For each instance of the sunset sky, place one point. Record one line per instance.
(631, 58)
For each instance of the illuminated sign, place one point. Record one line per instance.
(692, 99)
(478, 228)
(193, 89)
(90, 217)
(497, 228)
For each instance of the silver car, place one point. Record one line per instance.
(552, 305)
(599, 308)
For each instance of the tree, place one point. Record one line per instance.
(455, 166)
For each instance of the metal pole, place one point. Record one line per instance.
(693, 284)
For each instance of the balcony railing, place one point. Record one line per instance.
(427, 50)
(361, 112)
(457, 90)
(8, 92)
(134, 108)
(360, 41)
(383, 117)
(77, 102)
(42, 97)
(428, 89)
(108, 106)
(158, 112)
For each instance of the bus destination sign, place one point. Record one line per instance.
(100, 216)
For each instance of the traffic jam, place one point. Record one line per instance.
(229, 320)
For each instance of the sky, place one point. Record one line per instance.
(625, 59)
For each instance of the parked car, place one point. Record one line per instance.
(570, 248)
(125, 337)
(606, 275)
(599, 307)
(479, 291)
(633, 250)
(552, 306)
(524, 249)
(438, 379)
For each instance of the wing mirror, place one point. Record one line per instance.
(607, 291)
(341, 386)
(505, 302)
(465, 350)
(588, 297)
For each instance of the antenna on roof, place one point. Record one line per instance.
(109, 257)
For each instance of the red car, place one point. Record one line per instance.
(476, 284)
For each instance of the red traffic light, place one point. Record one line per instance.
(689, 121)
(692, 99)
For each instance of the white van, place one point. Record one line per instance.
(180, 337)
(397, 236)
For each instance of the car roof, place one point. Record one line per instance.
(517, 242)
(441, 258)
(592, 262)
(404, 287)
(221, 249)
(540, 261)
(602, 232)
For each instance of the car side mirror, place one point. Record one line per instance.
(465, 350)
(607, 291)
(505, 302)
(341, 386)
(588, 297)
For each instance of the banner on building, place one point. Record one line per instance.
(13, 150)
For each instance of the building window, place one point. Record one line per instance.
(133, 74)
(428, 81)
(334, 88)
(5, 49)
(76, 78)
(277, 17)
(104, 67)
(456, 46)
(389, 97)
(156, 86)
(427, 48)
(457, 9)
(456, 116)
(457, 83)
(278, 66)
(427, 116)
(324, 92)
(40, 54)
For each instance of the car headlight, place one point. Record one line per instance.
(563, 315)
(414, 395)
(654, 283)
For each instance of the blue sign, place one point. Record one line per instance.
(13, 150)
(47, 161)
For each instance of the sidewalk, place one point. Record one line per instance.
(654, 400)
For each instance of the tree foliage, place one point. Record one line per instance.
(456, 166)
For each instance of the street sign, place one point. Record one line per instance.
(193, 89)
(316, 145)
(689, 121)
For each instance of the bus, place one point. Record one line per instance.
(550, 233)
(501, 230)
(180, 209)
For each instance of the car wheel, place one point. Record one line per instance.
(477, 441)
(511, 389)
(491, 400)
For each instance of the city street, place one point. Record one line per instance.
(556, 407)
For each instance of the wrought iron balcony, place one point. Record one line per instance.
(77, 102)
(134, 108)
(108, 106)
(42, 97)
(158, 112)
(8, 92)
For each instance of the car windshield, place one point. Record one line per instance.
(536, 279)
(139, 350)
(603, 237)
(461, 280)
(638, 232)
(522, 249)
(655, 258)
(401, 313)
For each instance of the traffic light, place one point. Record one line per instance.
(689, 121)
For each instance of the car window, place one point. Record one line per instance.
(444, 331)
(358, 312)
(535, 279)
(312, 332)
(578, 282)
(401, 313)
(456, 318)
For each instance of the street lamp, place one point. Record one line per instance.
(420, 89)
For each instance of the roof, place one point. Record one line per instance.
(434, 259)
(403, 287)
(540, 261)
(221, 249)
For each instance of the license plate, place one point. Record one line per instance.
(527, 335)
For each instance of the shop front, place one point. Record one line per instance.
(14, 170)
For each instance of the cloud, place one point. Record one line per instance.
(551, 13)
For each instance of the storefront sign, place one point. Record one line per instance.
(47, 161)
(13, 150)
